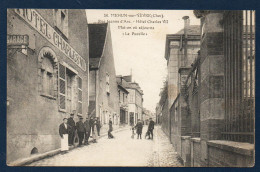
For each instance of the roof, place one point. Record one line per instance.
(97, 37)
(192, 30)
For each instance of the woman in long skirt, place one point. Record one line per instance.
(63, 131)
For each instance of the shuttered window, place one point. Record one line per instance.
(62, 88)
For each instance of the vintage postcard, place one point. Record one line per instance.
(130, 88)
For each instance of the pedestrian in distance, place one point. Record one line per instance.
(139, 128)
(80, 130)
(98, 126)
(91, 123)
(72, 130)
(150, 128)
(87, 131)
(133, 132)
(64, 131)
(94, 132)
(110, 129)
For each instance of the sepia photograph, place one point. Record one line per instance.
(130, 88)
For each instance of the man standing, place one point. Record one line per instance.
(87, 130)
(98, 126)
(81, 130)
(63, 131)
(151, 127)
(72, 125)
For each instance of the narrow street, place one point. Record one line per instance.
(121, 151)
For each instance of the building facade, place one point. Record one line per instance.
(212, 118)
(103, 99)
(46, 79)
(135, 100)
(123, 99)
(180, 52)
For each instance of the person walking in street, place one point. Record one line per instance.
(151, 127)
(81, 130)
(87, 131)
(110, 129)
(72, 130)
(94, 132)
(64, 131)
(98, 126)
(139, 128)
(91, 124)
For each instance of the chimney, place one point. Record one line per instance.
(186, 25)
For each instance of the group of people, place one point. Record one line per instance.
(69, 128)
(139, 129)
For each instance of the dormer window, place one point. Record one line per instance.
(61, 21)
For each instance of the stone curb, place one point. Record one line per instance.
(38, 157)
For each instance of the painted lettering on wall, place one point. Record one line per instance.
(35, 20)
(17, 40)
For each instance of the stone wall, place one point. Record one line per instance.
(230, 154)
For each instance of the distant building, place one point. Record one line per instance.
(103, 90)
(147, 114)
(123, 99)
(135, 100)
(46, 80)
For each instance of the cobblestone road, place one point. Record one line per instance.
(121, 151)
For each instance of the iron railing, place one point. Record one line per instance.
(239, 53)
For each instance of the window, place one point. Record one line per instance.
(131, 98)
(70, 90)
(47, 77)
(107, 83)
(47, 73)
(61, 21)
(123, 97)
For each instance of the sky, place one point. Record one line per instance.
(143, 50)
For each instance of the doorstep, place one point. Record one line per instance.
(37, 157)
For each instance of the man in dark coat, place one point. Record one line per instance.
(81, 130)
(139, 128)
(72, 130)
(98, 126)
(87, 130)
(110, 129)
(151, 127)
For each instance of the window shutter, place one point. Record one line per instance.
(79, 95)
(62, 87)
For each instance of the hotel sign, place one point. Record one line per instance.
(17, 40)
(34, 19)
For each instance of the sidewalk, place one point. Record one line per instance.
(37, 157)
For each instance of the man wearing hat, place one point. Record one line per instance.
(80, 129)
(87, 130)
(63, 131)
(72, 125)
(151, 127)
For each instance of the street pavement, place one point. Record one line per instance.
(121, 151)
